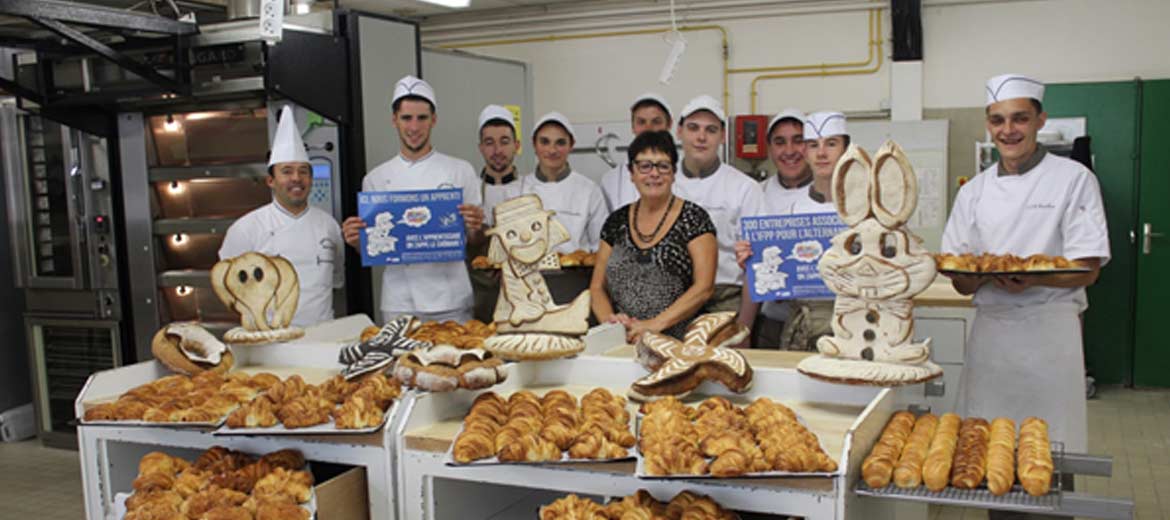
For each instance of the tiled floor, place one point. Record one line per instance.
(1131, 425)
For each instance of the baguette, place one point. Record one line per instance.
(1001, 462)
(971, 453)
(908, 472)
(936, 471)
(878, 468)
(1034, 457)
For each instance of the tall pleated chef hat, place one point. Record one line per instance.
(703, 102)
(820, 125)
(287, 145)
(494, 112)
(651, 96)
(412, 86)
(1012, 86)
(558, 118)
(787, 113)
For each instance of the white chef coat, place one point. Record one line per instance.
(494, 194)
(1024, 356)
(311, 241)
(779, 200)
(618, 188)
(579, 204)
(1054, 209)
(806, 205)
(433, 287)
(727, 195)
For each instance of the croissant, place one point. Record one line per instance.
(262, 381)
(256, 414)
(559, 434)
(572, 507)
(472, 446)
(129, 410)
(159, 462)
(908, 471)
(286, 390)
(238, 391)
(281, 511)
(304, 411)
(198, 415)
(227, 513)
(218, 459)
(530, 448)
(199, 503)
(155, 511)
(242, 479)
(169, 499)
(296, 485)
(154, 482)
(190, 482)
(730, 463)
(1001, 456)
(936, 470)
(289, 459)
(1034, 457)
(356, 413)
(878, 468)
(971, 454)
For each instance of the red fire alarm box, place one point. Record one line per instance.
(751, 137)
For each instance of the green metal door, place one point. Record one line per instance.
(1151, 350)
(1111, 113)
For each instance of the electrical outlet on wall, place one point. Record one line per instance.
(271, 20)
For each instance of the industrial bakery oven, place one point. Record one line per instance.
(64, 248)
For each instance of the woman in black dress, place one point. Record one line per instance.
(656, 264)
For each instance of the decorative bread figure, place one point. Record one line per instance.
(530, 325)
(188, 348)
(875, 267)
(264, 290)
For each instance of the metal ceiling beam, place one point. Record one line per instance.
(146, 72)
(72, 12)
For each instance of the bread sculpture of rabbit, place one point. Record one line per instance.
(875, 267)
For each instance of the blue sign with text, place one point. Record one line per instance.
(785, 253)
(411, 227)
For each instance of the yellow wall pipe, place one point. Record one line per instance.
(611, 34)
(820, 66)
(822, 73)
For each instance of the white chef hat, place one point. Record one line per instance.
(287, 145)
(653, 97)
(787, 113)
(412, 86)
(558, 118)
(496, 112)
(703, 102)
(820, 125)
(1011, 86)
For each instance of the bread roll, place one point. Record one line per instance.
(970, 463)
(908, 472)
(878, 468)
(1034, 457)
(1001, 461)
(936, 471)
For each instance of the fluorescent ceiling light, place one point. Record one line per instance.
(448, 3)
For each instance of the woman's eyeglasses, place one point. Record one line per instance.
(646, 166)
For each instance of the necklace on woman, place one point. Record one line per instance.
(649, 238)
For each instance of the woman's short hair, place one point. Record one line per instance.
(656, 141)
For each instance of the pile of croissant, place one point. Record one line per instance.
(527, 428)
(360, 403)
(221, 485)
(640, 505)
(937, 451)
(204, 398)
(467, 335)
(989, 263)
(721, 439)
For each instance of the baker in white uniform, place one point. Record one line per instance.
(498, 146)
(725, 192)
(289, 227)
(781, 191)
(435, 291)
(1024, 355)
(825, 139)
(578, 201)
(649, 113)
(499, 181)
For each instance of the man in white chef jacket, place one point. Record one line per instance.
(780, 192)
(1024, 357)
(577, 200)
(726, 193)
(499, 181)
(306, 236)
(432, 291)
(649, 113)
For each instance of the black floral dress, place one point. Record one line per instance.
(644, 282)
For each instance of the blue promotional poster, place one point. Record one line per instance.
(411, 227)
(785, 253)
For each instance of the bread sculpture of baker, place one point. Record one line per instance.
(530, 325)
(263, 290)
(875, 267)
